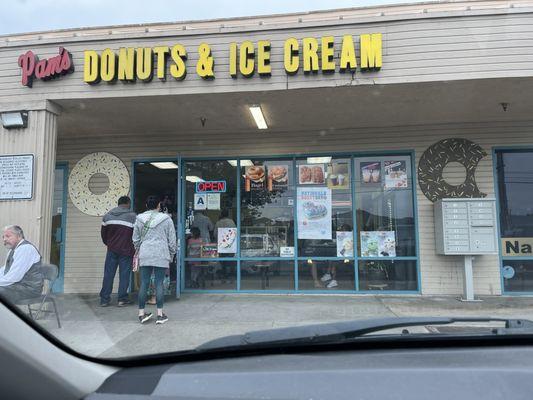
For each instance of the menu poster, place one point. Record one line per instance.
(370, 172)
(339, 175)
(314, 213)
(378, 244)
(278, 177)
(395, 174)
(345, 244)
(227, 240)
(254, 178)
(213, 201)
(311, 174)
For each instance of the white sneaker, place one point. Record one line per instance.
(332, 284)
(326, 277)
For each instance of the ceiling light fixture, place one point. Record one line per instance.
(318, 160)
(193, 179)
(259, 118)
(164, 165)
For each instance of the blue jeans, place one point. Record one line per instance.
(113, 259)
(159, 276)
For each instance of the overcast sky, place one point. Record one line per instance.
(18, 16)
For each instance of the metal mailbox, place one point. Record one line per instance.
(466, 226)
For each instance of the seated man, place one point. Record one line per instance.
(20, 277)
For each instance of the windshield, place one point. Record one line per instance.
(173, 175)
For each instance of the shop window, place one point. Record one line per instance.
(326, 275)
(385, 211)
(211, 209)
(517, 276)
(211, 275)
(267, 275)
(387, 275)
(324, 207)
(267, 196)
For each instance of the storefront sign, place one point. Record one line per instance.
(200, 201)
(309, 54)
(517, 247)
(46, 69)
(314, 213)
(211, 186)
(16, 177)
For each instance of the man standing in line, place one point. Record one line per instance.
(20, 277)
(117, 230)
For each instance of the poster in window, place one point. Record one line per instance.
(213, 201)
(209, 250)
(314, 213)
(278, 177)
(344, 244)
(254, 178)
(395, 174)
(227, 240)
(311, 174)
(200, 201)
(370, 172)
(339, 175)
(378, 244)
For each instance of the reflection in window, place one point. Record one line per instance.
(267, 275)
(387, 275)
(385, 212)
(515, 187)
(518, 276)
(326, 275)
(211, 275)
(324, 204)
(211, 209)
(267, 196)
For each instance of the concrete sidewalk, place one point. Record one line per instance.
(197, 318)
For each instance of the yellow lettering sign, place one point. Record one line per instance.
(108, 65)
(126, 64)
(144, 64)
(91, 67)
(310, 54)
(328, 52)
(161, 53)
(371, 51)
(205, 65)
(291, 58)
(246, 59)
(178, 70)
(233, 60)
(263, 58)
(348, 60)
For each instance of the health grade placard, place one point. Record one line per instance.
(314, 213)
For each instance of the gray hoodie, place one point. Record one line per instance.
(158, 244)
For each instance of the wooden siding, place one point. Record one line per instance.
(440, 275)
(432, 48)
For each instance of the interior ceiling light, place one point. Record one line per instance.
(244, 163)
(318, 160)
(193, 179)
(164, 165)
(259, 118)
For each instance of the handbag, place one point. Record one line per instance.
(135, 262)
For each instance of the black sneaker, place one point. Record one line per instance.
(161, 319)
(145, 317)
(104, 304)
(123, 303)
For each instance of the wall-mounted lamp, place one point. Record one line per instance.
(259, 118)
(14, 119)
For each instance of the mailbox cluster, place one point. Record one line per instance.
(466, 226)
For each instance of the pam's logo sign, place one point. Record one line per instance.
(46, 69)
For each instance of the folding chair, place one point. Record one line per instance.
(49, 273)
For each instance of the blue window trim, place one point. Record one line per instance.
(501, 257)
(296, 259)
(59, 285)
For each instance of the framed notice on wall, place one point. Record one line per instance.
(16, 177)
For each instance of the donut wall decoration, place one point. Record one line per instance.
(78, 184)
(435, 159)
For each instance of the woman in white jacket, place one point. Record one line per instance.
(154, 238)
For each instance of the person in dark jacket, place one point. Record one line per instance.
(20, 277)
(117, 230)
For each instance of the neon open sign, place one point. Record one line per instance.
(211, 187)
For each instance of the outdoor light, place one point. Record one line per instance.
(15, 119)
(244, 163)
(193, 179)
(318, 160)
(259, 118)
(164, 165)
